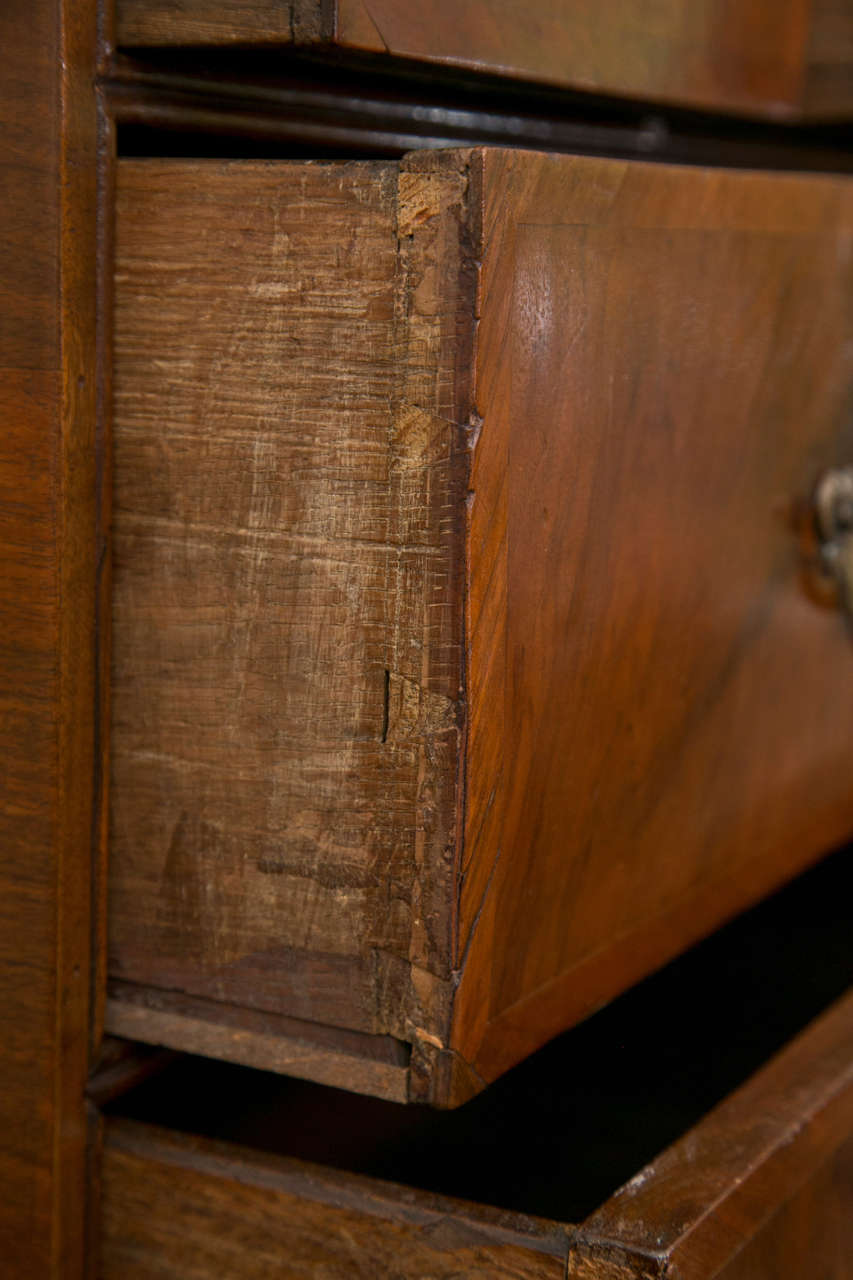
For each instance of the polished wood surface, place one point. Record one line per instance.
(48, 550)
(716, 53)
(656, 711)
(194, 1209)
(764, 1176)
(810, 1235)
(658, 714)
(786, 59)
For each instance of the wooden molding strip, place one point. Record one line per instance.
(375, 1065)
(171, 1201)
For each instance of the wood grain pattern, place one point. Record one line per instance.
(717, 53)
(654, 726)
(195, 1209)
(173, 22)
(784, 60)
(766, 1175)
(761, 1187)
(48, 557)
(810, 1235)
(370, 1064)
(657, 713)
(288, 499)
(829, 80)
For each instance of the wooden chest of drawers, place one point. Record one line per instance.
(463, 667)
(471, 649)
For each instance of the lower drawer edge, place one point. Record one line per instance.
(761, 1187)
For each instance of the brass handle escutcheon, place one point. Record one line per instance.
(833, 519)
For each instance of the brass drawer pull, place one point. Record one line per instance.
(833, 518)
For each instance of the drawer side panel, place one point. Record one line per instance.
(286, 628)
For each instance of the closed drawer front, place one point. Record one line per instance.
(463, 665)
(783, 58)
(761, 1188)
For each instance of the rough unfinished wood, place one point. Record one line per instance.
(194, 1209)
(318, 486)
(288, 500)
(48, 556)
(760, 1188)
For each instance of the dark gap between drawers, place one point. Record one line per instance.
(243, 102)
(140, 141)
(559, 1133)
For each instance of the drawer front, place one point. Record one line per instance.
(191, 1208)
(783, 59)
(761, 1188)
(464, 669)
(810, 1235)
(659, 712)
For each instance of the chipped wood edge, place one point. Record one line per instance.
(313, 21)
(436, 202)
(438, 243)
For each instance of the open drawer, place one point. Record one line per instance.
(761, 1190)
(753, 1181)
(471, 655)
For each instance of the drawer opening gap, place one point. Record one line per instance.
(560, 1132)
